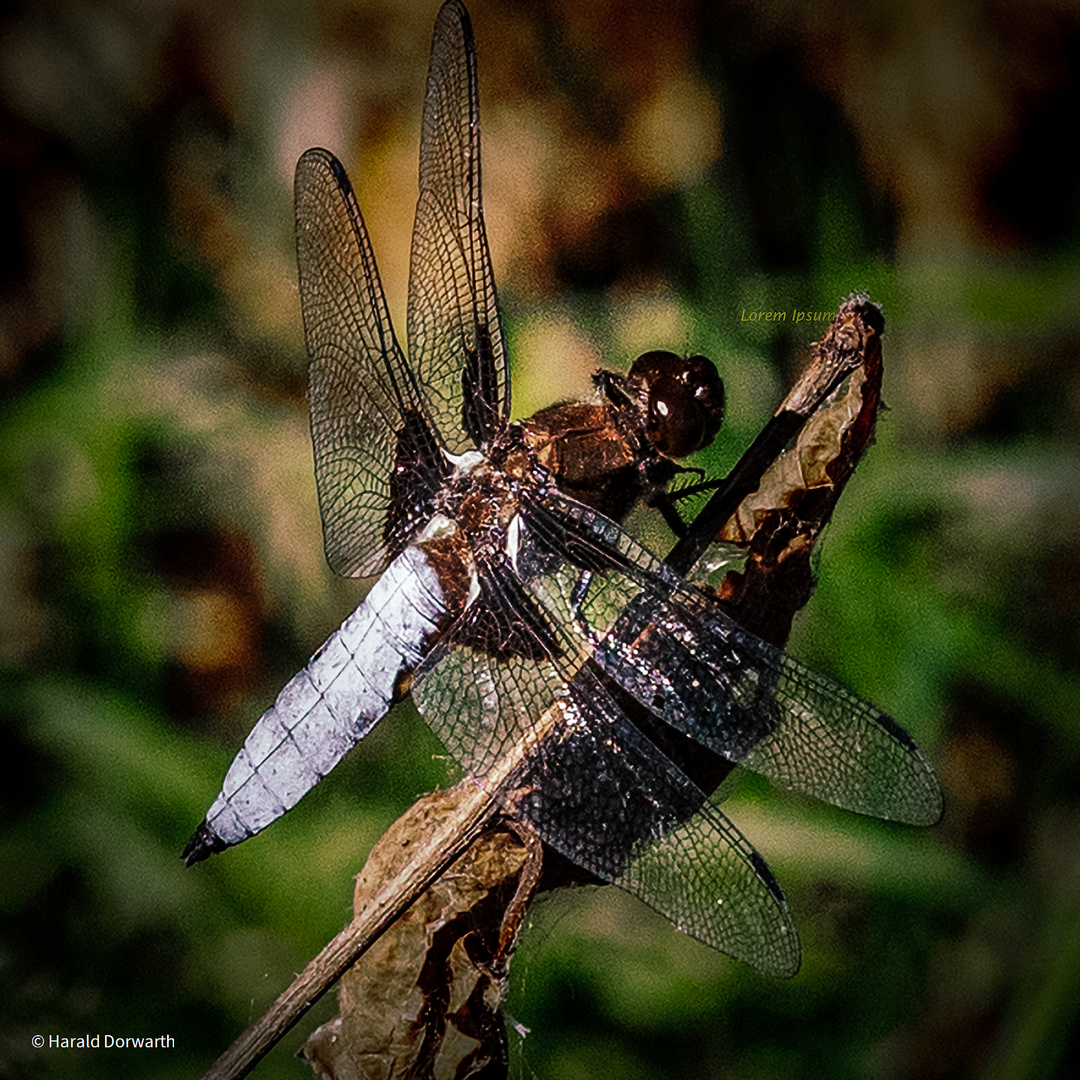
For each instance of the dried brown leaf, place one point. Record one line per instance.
(424, 1000)
(779, 524)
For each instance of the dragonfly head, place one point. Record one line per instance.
(681, 400)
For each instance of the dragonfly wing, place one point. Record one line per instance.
(674, 650)
(377, 458)
(546, 738)
(601, 785)
(454, 330)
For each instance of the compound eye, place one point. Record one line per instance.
(684, 401)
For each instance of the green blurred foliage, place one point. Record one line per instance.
(160, 548)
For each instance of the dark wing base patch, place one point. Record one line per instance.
(419, 473)
(504, 621)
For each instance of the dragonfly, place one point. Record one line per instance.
(530, 628)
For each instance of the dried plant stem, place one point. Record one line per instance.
(385, 903)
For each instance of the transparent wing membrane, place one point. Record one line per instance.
(364, 398)
(454, 330)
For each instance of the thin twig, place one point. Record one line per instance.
(383, 906)
(387, 902)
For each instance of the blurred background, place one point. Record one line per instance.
(652, 170)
